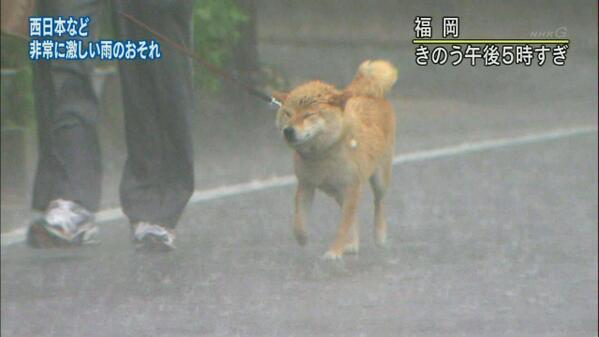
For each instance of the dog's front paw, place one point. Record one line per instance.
(300, 236)
(380, 238)
(332, 255)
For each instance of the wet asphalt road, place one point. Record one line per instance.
(476, 250)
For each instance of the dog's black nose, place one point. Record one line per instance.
(289, 133)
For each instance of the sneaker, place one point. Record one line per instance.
(153, 237)
(65, 224)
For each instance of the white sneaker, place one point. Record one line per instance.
(148, 236)
(65, 223)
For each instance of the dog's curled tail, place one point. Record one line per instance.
(374, 78)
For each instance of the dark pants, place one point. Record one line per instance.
(158, 100)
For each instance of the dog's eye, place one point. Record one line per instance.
(309, 114)
(287, 113)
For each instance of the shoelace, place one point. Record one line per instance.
(143, 228)
(66, 215)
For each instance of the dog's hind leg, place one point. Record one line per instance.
(303, 203)
(379, 181)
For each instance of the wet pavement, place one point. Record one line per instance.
(496, 243)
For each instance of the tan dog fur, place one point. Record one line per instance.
(341, 139)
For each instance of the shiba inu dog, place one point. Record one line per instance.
(341, 139)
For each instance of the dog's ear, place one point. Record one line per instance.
(340, 99)
(280, 96)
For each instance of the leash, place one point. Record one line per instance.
(214, 69)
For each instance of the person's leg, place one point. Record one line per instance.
(68, 178)
(158, 100)
(69, 164)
